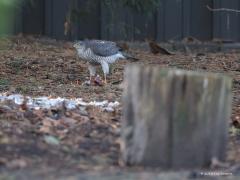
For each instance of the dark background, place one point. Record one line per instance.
(174, 20)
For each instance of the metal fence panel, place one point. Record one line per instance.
(87, 24)
(174, 20)
(170, 20)
(33, 17)
(201, 24)
(226, 23)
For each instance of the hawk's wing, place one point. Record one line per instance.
(102, 48)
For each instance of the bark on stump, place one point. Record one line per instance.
(174, 118)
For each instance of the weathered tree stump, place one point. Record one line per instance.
(174, 118)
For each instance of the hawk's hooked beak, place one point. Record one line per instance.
(78, 44)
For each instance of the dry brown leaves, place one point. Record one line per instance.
(87, 139)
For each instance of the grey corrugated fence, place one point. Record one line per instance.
(174, 20)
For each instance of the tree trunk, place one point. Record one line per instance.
(174, 118)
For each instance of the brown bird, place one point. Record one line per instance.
(156, 48)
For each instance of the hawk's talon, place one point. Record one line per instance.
(92, 79)
(105, 80)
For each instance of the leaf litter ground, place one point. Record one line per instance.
(61, 142)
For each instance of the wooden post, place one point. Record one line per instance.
(174, 118)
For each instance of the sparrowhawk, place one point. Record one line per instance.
(99, 52)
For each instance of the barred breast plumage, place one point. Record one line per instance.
(98, 52)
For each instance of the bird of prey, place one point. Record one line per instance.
(99, 52)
